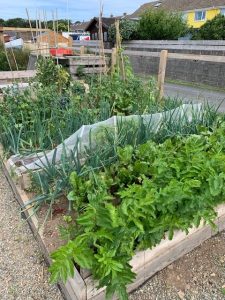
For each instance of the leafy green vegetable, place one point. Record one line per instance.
(152, 189)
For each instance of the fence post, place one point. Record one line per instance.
(162, 72)
(82, 50)
(113, 60)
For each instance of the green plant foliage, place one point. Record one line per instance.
(212, 30)
(54, 178)
(128, 30)
(19, 22)
(21, 56)
(126, 97)
(39, 118)
(159, 24)
(49, 73)
(152, 190)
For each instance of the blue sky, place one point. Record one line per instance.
(78, 10)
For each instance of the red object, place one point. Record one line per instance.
(60, 52)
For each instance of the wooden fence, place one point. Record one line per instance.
(164, 55)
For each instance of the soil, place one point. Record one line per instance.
(51, 233)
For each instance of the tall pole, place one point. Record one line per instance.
(68, 15)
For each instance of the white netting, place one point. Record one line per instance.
(80, 140)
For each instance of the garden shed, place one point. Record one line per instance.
(93, 27)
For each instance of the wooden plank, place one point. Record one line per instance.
(75, 288)
(176, 42)
(175, 47)
(23, 29)
(87, 70)
(162, 72)
(93, 49)
(184, 56)
(6, 75)
(149, 262)
(87, 61)
(209, 58)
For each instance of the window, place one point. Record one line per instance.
(200, 15)
(105, 36)
(222, 11)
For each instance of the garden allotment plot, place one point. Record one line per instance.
(119, 171)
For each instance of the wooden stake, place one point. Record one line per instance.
(162, 72)
(101, 39)
(120, 59)
(113, 60)
(32, 35)
(82, 50)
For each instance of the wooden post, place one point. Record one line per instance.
(82, 50)
(162, 72)
(113, 60)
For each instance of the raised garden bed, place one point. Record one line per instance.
(145, 263)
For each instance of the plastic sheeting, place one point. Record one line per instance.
(80, 140)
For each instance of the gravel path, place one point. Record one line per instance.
(199, 275)
(23, 272)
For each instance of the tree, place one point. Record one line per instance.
(128, 30)
(16, 22)
(212, 30)
(159, 24)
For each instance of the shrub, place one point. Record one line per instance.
(212, 30)
(161, 25)
(128, 30)
(48, 73)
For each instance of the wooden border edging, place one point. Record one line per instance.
(144, 263)
(74, 289)
(7, 75)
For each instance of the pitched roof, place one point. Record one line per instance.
(106, 22)
(178, 5)
(79, 26)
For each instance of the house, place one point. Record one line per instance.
(93, 27)
(79, 27)
(196, 12)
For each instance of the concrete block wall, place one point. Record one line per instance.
(209, 73)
